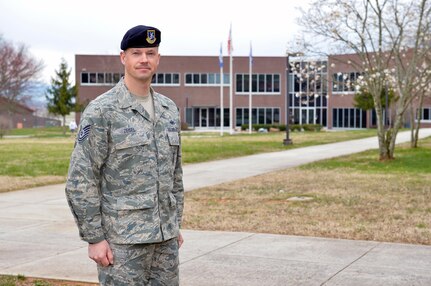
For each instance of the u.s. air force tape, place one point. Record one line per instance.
(84, 133)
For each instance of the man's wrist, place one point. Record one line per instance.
(95, 240)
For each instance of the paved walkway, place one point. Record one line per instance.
(39, 238)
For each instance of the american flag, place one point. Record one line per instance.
(229, 42)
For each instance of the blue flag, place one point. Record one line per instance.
(220, 58)
(251, 55)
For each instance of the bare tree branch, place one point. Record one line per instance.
(17, 70)
(388, 41)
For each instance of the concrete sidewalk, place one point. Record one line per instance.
(38, 237)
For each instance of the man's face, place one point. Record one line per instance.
(140, 63)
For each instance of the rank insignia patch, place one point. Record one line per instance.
(84, 133)
(172, 127)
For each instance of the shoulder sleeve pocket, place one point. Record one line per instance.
(174, 139)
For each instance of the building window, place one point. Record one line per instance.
(197, 78)
(425, 114)
(101, 78)
(98, 78)
(344, 82)
(349, 118)
(93, 78)
(202, 117)
(205, 79)
(166, 79)
(84, 78)
(108, 78)
(262, 83)
(258, 116)
(160, 78)
(116, 77)
(189, 78)
(308, 93)
(276, 83)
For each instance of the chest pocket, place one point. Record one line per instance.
(130, 144)
(132, 155)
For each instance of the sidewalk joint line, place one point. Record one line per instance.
(350, 264)
(217, 249)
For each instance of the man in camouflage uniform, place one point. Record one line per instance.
(124, 185)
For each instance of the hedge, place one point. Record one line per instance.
(292, 127)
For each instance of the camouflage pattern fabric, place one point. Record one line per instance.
(125, 177)
(142, 264)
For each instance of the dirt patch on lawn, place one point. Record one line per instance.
(31, 281)
(9, 183)
(340, 204)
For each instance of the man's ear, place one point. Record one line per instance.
(122, 55)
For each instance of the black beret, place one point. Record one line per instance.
(141, 37)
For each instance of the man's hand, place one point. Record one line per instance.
(180, 240)
(101, 253)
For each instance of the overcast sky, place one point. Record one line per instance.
(55, 29)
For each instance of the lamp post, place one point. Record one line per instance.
(287, 140)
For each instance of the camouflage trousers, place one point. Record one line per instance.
(142, 264)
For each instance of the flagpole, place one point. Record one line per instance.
(221, 102)
(250, 95)
(221, 90)
(230, 49)
(230, 95)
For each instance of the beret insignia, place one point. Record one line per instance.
(151, 36)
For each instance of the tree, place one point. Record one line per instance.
(364, 100)
(18, 71)
(389, 40)
(309, 87)
(61, 95)
(422, 88)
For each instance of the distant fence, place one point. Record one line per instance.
(27, 121)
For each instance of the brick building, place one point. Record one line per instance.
(193, 83)
(15, 115)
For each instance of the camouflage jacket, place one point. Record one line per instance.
(125, 177)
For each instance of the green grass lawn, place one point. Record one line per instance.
(200, 147)
(45, 132)
(407, 161)
(50, 154)
(35, 157)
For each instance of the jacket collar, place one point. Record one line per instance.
(126, 100)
